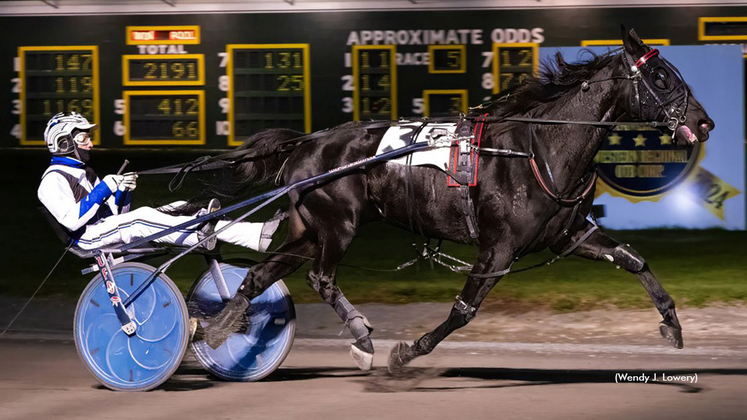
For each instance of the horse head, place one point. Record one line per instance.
(659, 93)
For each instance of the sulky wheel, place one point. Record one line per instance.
(257, 352)
(148, 358)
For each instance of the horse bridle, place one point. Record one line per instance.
(659, 76)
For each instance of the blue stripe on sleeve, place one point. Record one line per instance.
(97, 196)
(123, 198)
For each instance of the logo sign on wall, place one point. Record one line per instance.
(646, 181)
(640, 163)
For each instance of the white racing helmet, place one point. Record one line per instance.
(59, 132)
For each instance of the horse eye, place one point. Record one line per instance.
(661, 78)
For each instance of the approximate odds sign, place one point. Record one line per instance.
(269, 87)
(374, 82)
(513, 63)
(56, 79)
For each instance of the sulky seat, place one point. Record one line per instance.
(63, 234)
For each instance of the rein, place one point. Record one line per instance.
(224, 160)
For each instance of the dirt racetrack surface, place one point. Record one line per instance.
(503, 365)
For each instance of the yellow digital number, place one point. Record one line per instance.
(285, 60)
(290, 83)
(60, 85)
(178, 70)
(177, 129)
(73, 63)
(151, 70)
(87, 59)
(384, 104)
(384, 83)
(192, 129)
(297, 60)
(506, 80)
(506, 59)
(384, 55)
(366, 105)
(526, 58)
(87, 82)
(191, 71)
(60, 60)
(87, 105)
(454, 59)
(164, 71)
(456, 105)
(268, 60)
(180, 130)
(73, 105)
(74, 84)
(365, 60)
(165, 106)
(365, 85)
(193, 106)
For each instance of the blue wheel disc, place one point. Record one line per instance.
(146, 359)
(255, 354)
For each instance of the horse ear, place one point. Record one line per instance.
(632, 43)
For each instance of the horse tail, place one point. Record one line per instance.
(248, 175)
(264, 165)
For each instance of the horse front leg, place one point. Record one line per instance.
(322, 278)
(601, 247)
(479, 284)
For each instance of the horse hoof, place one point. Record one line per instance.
(232, 319)
(192, 328)
(672, 334)
(400, 355)
(363, 359)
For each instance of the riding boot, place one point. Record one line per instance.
(207, 229)
(233, 318)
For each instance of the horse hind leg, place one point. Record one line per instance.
(489, 261)
(601, 247)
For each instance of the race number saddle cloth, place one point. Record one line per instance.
(456, 158)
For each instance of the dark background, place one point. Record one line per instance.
(327, 34)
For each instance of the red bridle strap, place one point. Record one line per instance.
(641, 61)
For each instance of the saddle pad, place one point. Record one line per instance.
(401, 135)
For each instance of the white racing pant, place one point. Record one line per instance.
(146, 221)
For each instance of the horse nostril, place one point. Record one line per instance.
(706, 125)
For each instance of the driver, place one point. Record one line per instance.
(96, 213)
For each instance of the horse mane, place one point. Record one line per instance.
(557, 77)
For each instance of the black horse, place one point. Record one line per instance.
(516, 212)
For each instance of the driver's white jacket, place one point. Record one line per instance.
(95, 217)
(77, 199)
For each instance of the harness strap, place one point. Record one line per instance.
(554, 122)
(208, 163)
(557, 198)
